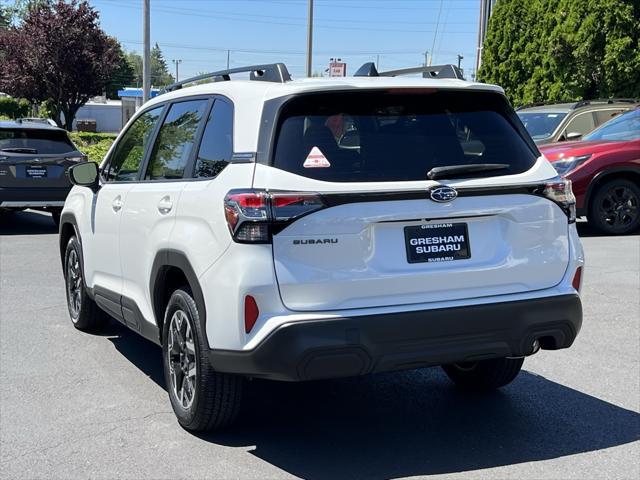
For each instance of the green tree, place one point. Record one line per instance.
(160, 75)
(122, 76)
(563, 50)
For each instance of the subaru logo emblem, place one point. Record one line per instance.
(443, 194)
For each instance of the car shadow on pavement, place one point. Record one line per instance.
(26, 223)
(408, 423)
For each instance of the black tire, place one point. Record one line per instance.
(55, 216)
(485, 374)
(615, 207)
(85, 314)
(215, 401)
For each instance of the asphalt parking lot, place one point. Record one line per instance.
(74, 405)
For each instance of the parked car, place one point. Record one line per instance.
(570, 121)
(34, 159)
(46, 121)
(228, 225)
(605, 171)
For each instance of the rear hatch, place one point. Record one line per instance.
(32, 158)
(376, 231)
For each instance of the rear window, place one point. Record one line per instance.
(45, 142)
(398, 135)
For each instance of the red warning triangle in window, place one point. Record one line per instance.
(316, 159)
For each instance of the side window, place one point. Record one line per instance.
(603, 116)
(175, 140)
(127, 156)
(582, 124)
(217, 141)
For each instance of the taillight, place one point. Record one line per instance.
(560, 192)
(254, 215)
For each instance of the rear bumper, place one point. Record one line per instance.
(33, 197)
(351, 346)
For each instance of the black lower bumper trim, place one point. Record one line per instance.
(25, 195)
(353, 346)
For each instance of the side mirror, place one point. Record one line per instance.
(85, 174)
(574, 136)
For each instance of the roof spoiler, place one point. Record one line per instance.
(432, 71)
(272, 72)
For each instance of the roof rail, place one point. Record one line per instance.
(271, 72)
(431, 71)
(609, 101)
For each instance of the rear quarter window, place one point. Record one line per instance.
(398, 135)
(44, 142)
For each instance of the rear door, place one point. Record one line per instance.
(385, 236)
(35, 158)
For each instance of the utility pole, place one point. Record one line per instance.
(426, 58)
(146, 57)
(309, 37)
(460, 57)
(228, 55)
(378, 62)
(177, 62)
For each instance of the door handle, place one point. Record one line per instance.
(117, 204)
(165, 205)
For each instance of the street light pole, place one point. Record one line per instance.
(460, 57)
(176, 63)
(146, 57)
(309, 37)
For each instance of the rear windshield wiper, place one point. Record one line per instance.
(19, 150)
(452, 171)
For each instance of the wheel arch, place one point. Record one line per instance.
(627, 173)
(68, 229)
(170, 270)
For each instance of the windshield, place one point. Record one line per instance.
(541, 124)
(398, 136)
(622, 128)
(33, 140)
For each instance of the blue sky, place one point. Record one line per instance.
(199, 32)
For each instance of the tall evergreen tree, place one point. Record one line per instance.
(563, 50)
(160, 75)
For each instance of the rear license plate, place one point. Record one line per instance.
(37, 172)
(437, 242)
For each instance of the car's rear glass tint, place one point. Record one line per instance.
(44, 141)
(398, 135)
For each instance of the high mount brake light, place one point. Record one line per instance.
(254, 215)
(560, 192)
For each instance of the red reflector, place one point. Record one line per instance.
(576, 279)
(251, 313)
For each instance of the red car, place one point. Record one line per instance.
(605, 171)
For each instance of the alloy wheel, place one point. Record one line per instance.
(182, 359)
(74, 284)
(619, 207)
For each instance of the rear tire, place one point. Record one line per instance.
(202, 398)
(615, 207)
(485, 374)
(84, 312)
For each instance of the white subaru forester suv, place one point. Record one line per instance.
(323, 228)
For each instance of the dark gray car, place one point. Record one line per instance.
(570, 121)
(34, 158)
